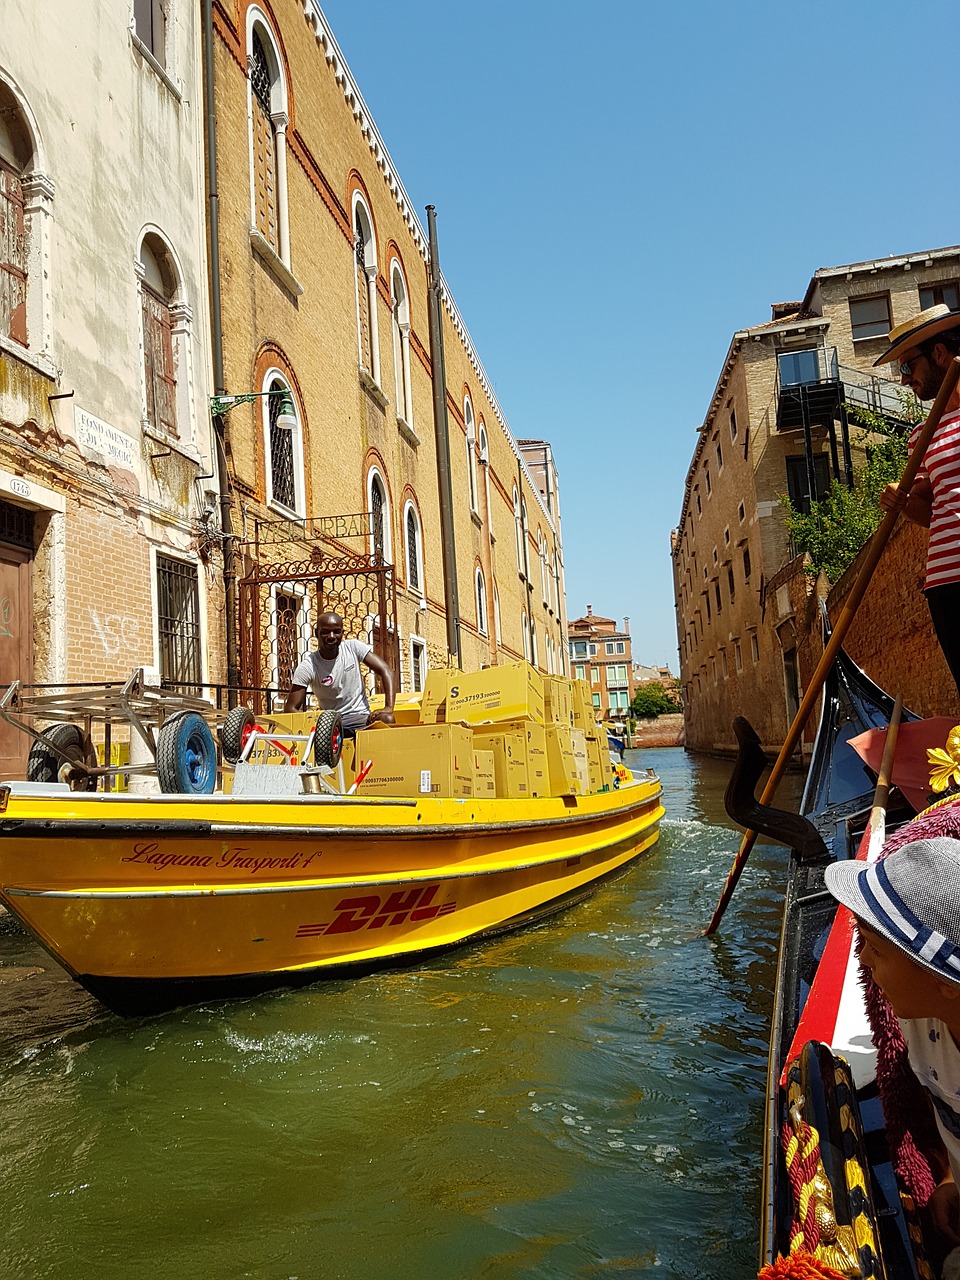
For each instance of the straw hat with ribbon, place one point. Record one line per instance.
(918, 330)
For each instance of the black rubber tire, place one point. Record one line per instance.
(328, 742)
(186, 756)
(44, 765)
(233, 732)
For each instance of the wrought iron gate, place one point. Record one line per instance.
(297, 571)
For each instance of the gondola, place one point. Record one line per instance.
(831, 1191)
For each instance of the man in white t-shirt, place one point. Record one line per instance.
(907, 908)
(333, 673)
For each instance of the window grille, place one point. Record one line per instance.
(178, 621)
(16, 525)
(289, 607)
(264, 146)
(283, 485)
(418, 653)
(413, 550)
(260, 73)
(376, 520)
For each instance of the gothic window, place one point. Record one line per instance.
(414, 550)
(283, 448)
(400, 320)
(268, 142)
(381, 542)
(481, 592)
(471, 444)
(365, 281)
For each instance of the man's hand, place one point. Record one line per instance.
(915, 505)
(944, 1209)
(893, 498)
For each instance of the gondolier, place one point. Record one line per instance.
(333, 674)
(923, 349)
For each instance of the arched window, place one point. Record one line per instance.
(518, 522)
(267, 105)
(26, 203)
(283, 448)
(542, 558)
(533, 644)
(471, 453)
(496, 615)
(414, 550)
(483, 448)
(365, 274)
(526, 635)
(159, 292)
(400, 312)
(481, 592)
(524, 544)
(381, 539)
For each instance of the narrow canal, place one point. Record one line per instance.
(578, 1100)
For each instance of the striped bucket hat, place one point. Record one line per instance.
(911, 898)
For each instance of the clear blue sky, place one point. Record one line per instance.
(621, 186)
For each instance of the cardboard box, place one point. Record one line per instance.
(406, 708)
(509, 751)
(417, 760)
(532, 736)
(484, 775)
(557, 701)
(513, 691)
(601, 768)
(433, 700)
(578, 743)
(561, 762)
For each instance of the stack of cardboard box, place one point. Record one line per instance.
(505, 731)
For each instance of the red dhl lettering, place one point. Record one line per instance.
(371, 911)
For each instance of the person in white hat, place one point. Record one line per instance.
(923, 349)
(907, 908)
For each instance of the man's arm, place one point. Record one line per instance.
(385, 676)
(296, 698)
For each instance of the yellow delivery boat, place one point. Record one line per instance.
(152, 901)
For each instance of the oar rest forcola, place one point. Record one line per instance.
(506, 732)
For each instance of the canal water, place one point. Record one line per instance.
(578, 1100)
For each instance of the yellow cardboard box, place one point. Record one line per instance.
(534, 739)
(513, 691)
(557, 701)
(578, 743)
(601, 768)
(561, 762)
(484, 775)
(433, 700)
(417, 760)
(509, 752)
(406, 708)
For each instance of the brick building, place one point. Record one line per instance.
(104, 431)
(600, 654)
(325, 298)
(195, 459)
(779, 423)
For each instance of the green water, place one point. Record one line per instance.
(578, 1100)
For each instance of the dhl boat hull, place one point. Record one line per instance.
(156, 901)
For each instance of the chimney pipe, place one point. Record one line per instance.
(626, 625)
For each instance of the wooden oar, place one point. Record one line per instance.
(874, 551)
(836, 976)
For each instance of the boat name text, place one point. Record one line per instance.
(236, 859)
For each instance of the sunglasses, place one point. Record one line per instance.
(906, 367)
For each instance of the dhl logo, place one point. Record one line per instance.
(374, 912)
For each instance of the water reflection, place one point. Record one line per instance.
(579, 1099)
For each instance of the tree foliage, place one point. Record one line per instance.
(652, 700)
(836, 527)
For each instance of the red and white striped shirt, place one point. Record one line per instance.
(941, 466)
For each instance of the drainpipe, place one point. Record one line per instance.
(221, 442)
(442, 433)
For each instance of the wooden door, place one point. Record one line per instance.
(16, 649)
